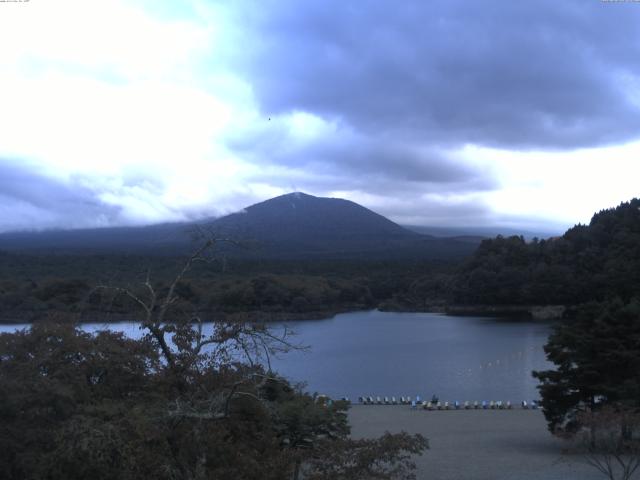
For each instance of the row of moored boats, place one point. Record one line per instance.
(417, 402)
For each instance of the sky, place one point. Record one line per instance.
(443, 113)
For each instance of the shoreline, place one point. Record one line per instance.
(109, 318)
(525, 312)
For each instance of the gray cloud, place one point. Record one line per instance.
(410, 83)
(29, 200)
(398, 161)
(542, 74)
(417, 210)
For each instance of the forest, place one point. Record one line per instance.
(589, 262)
(34, 286)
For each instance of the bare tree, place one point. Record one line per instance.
(610, 438)
(219, 374)
(186, 348)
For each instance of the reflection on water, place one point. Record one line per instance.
(394, 354)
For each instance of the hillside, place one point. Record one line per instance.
(588, 262)
(167, 238)
(292, 226)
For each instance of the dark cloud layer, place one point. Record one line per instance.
(349, 159)
(30, 200)
(543, 74)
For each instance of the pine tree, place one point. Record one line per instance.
(597, 358)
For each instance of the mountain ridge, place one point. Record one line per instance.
(294, 225)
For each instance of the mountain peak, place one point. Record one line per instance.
(292, 197)
(297, 197)
(313, 205)
(297, 194)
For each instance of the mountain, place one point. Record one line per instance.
(290, 226)
(300, 224)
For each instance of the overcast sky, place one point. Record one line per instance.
(441, 112)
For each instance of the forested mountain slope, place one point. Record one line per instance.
(588, 262)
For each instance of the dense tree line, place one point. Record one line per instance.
(589, 262)
(31, 287)
(266, 293)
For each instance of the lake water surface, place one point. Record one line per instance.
(400, 354)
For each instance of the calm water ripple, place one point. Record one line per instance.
(400, 354)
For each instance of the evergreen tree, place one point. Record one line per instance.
(597, 360)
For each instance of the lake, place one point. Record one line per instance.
(408, 354)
